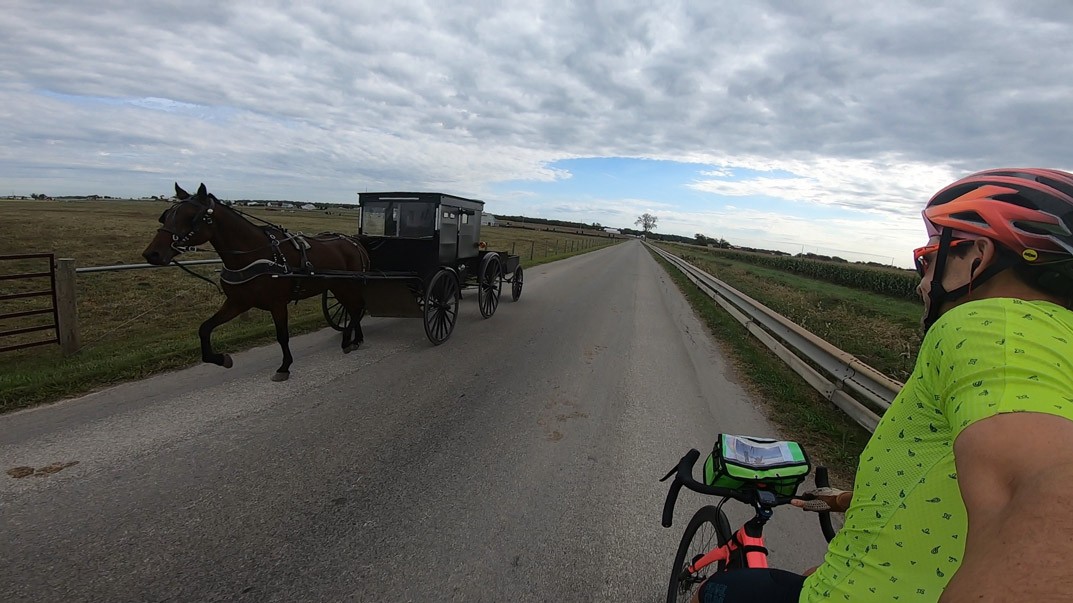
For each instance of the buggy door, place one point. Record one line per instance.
(469, 230)
(448, 234)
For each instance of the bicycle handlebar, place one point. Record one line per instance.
(683, 476)
(822, 481)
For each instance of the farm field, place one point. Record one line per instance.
(881, 330)
(134, 323)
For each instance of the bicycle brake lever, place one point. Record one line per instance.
(669, 474)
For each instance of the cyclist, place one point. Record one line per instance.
(963, 491)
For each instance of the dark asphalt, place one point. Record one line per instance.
(517, 462)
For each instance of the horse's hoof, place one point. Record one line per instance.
(281, 376)
(228, 363)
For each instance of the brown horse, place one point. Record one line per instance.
(265, 267)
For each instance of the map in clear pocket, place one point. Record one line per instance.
(756, 454)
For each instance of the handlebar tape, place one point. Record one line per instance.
(682, 473)
(823, 481)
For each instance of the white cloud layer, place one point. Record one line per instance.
(869, 107)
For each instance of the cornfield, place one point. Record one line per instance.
(900, 284)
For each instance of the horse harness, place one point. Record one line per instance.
(276, 266)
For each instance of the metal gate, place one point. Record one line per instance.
(36, 291)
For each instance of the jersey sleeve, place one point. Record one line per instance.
(990, 358)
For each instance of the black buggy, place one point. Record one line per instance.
(425, 248)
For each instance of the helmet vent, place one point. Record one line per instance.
(1041, 228)
(1018, 199)
(972, 218)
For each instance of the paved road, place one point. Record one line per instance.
(517, 462)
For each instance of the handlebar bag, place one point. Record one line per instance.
(738, 462)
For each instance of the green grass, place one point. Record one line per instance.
(882, 331)
(139, 322)
(791, 403)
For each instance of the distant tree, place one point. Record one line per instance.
(702, 240)
(647, 222)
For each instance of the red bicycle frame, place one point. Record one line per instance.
(752, 546)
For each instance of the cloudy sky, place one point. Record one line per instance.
(816, 126)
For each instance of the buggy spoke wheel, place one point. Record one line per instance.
(441, 306)
(490, 284)
(516, 284)
(334, 311)
(707, 530)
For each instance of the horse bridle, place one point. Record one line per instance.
(202, 218)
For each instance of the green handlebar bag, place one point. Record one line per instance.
(743, 462)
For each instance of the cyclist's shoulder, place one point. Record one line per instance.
(1011, 308)
(998, 316)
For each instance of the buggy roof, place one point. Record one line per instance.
(437, 198)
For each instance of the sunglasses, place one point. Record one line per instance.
(922, 255)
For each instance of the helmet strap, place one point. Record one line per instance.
(937, 295)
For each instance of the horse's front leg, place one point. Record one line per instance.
(279, 317)
(229, 310)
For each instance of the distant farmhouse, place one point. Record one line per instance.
(488, 220)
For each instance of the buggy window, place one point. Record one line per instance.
(379, 219)
(416, 220)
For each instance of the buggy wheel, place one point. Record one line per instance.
(490, 283)
(707, 530)
(334, 311)
(441, 306)
(516, 284)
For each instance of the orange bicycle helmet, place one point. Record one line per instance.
(1029, 211)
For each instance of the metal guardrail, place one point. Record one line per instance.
(859, 390)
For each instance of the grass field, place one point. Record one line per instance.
(882, 331)
(137, 322)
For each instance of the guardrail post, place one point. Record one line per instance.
(66, 306)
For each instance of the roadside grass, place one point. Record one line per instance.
(881, 331)
(135, 323)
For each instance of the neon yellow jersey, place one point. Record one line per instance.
(905, 531)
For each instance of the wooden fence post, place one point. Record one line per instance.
(66, 306)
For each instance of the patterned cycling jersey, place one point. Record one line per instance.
(905, 530)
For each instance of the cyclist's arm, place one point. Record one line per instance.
(1015, 471)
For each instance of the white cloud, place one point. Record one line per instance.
(859, 184)
(871, 107)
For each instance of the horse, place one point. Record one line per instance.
(265, 267)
